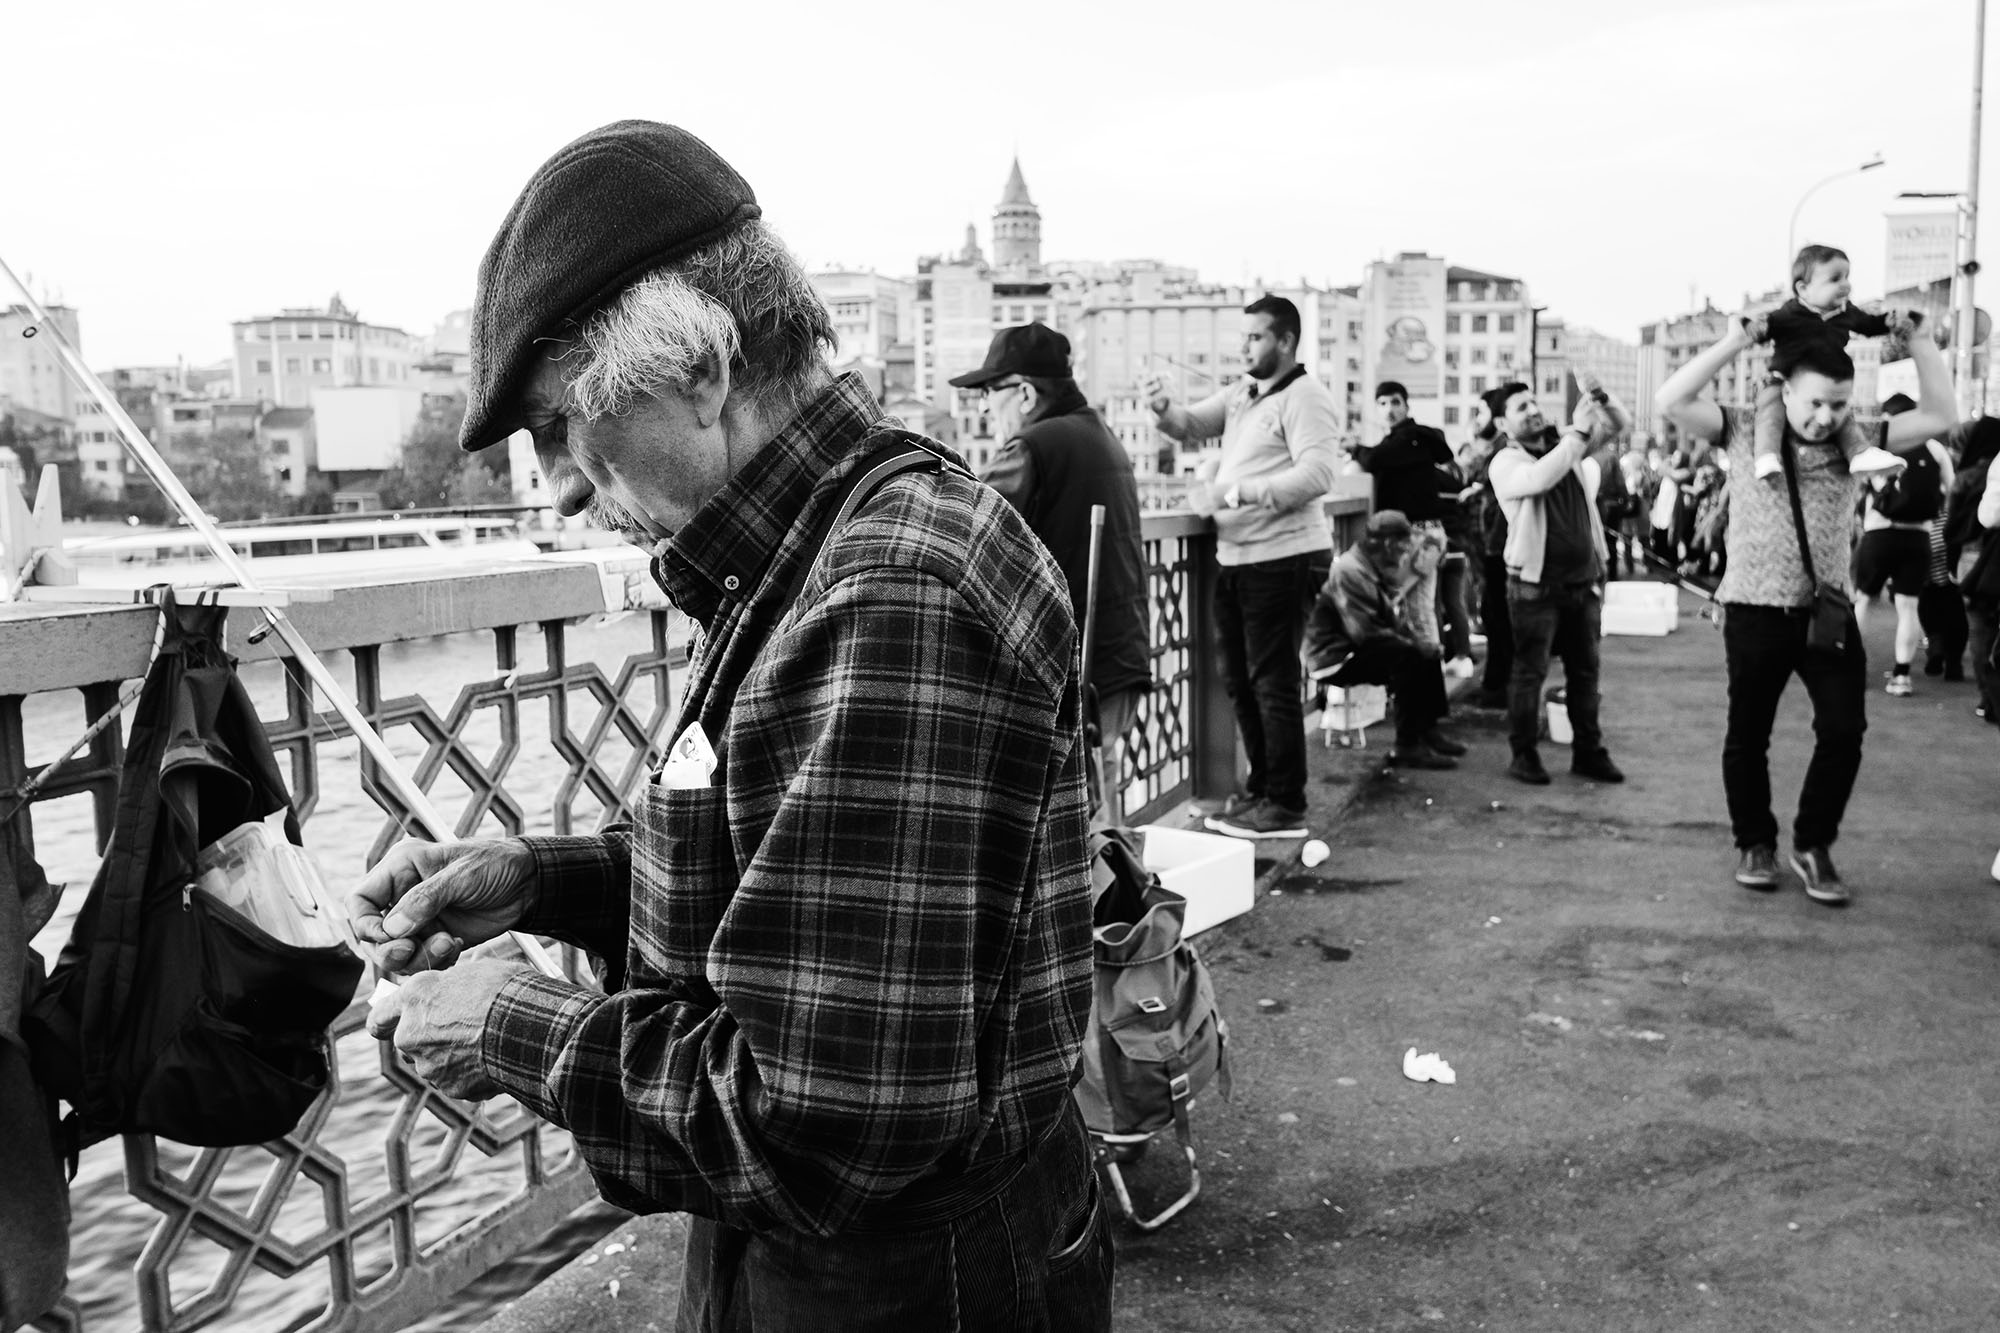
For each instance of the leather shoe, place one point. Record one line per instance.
(1527, 767)
(1442, 743)
(1597, 766)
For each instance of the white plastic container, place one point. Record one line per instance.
(1216, 874)
(1641, 608)
(1558, 715)
(1350, 711)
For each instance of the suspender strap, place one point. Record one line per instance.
(902, 452)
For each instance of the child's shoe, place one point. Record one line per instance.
(1874, 461)
(1769, 466)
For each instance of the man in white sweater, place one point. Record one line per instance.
(1279, 431)
(1547, 485)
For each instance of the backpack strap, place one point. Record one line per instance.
(900, 451)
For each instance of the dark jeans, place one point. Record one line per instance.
(1499, 630)
(1563, 621)
(1414, 681)
(1452, 612)
(1036, 1256)
(1983, 619)
(1766, 646)
(1260, 619)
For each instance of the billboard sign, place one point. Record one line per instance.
(1404, 331)
(1923, 248)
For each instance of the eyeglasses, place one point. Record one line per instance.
(993, 389)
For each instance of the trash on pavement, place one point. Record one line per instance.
(1314, 852)
(1427, 1068)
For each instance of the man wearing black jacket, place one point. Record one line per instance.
(1414, 475)
(1057, 460)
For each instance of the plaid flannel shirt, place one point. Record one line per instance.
(859, 961)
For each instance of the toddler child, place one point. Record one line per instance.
(1819, 313)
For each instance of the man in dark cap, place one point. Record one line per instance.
(1056, 460)
(1361, 633)
(847, 932)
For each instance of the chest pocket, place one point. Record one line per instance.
(689, 863)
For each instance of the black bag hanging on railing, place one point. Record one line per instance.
(168, 1012)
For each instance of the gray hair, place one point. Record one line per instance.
(742, 301)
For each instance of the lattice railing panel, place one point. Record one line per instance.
(388, 1196)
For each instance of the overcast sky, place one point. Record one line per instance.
(168, 168)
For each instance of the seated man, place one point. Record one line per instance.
(1360, 634)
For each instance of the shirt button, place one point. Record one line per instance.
(730, 582)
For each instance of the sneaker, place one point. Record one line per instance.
(1822, 881)
(1420, 756)
(1238, 804)
(1596, 765)
(1527, 767)
(1758, 868)
(1900, 685)
(1874, 461)
(1459, 668)
(1265, 819)
(1442, 743)
(1767, 466)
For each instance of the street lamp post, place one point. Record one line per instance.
(1792, 239)
(1968, 231)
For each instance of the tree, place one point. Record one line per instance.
(435, 472)
(225, 473)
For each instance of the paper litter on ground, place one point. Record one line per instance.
(1427, 1068)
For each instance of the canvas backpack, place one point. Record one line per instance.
(167, 1012)
(1156, 1037)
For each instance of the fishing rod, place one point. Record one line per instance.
(415, 801)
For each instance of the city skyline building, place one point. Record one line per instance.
(283, 358)
(1449, 333)
(31, 372)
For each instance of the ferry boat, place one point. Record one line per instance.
(282, 551)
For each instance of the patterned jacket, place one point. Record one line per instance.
(858, 962)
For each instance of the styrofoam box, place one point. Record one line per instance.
(1633, 607)
(1216, 874)
(1354, 707)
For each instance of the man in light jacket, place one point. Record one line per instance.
(1278, 427)
(1547, 486)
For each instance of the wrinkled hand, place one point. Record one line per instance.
(438, 1020)
(426, 902)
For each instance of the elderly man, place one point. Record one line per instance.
(847, 933)
(1057, 458)
(1773, 582)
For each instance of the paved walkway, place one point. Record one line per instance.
(1679, 1105)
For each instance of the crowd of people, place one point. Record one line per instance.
(846, 939)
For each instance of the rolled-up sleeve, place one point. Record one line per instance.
(856, 1016)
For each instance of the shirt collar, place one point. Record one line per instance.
(1259, 389)
(724, 550)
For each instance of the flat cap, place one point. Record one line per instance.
(606, 209)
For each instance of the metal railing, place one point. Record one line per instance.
(390, 1197)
